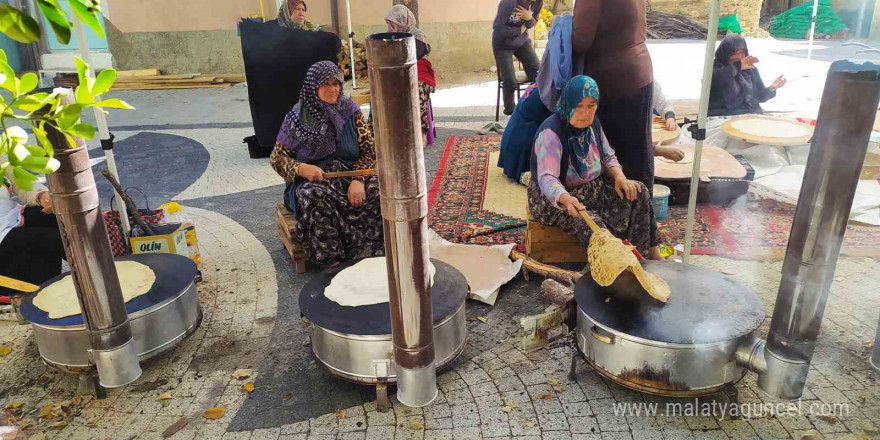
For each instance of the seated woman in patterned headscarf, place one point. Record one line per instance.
(337, 219)
(401, 19)
(575, 169)
(292, 14)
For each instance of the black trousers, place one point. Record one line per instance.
(504, 60)
(32, 252)
(627, 125)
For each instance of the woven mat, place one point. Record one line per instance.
(471, 201)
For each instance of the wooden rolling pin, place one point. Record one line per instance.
(21, 286)
(355, 173)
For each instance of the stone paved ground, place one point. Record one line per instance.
(494, 390)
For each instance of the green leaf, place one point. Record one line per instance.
(57, 19)
(104, 81)
(40, 165)
(8, 75)
(86, 82)
(18, 25)
(69, 116)
(33, 102)
(90, 15)
(114, 103)
(43, 139)
(23, 179)
(28, 83)
(35, 150)
(85, 131)
(18, 153)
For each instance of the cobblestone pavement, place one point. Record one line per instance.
(494, 390)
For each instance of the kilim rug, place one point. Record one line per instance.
(467, 177)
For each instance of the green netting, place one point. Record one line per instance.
(795, 22)
(729, 23)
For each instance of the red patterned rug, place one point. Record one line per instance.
(757, 229)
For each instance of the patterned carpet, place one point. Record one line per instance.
(754, 230)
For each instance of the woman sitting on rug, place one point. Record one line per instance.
(737, 88)
(292, 14)
(337, 219)
(576, 169)
(401, 19)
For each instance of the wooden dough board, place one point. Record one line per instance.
(731, 131)
(664, 137)
(716, 164)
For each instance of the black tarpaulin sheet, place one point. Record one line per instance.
(276, 60)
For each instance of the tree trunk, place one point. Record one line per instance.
(413, 6)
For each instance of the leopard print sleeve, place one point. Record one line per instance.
(283, 163)
(367, 158)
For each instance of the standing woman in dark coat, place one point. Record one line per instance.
(510, 38)
(608, 37)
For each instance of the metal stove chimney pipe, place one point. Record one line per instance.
(843, 128)
(75, 201)
(875, 355)
(403, 194)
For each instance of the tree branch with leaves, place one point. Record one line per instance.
(42, 110)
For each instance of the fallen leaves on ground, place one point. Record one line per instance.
(552, 381)
(607, 299)
(509, 406)
(38, 436)
(559, 388)
(58, 425)
(164, 396)
(175, 427)
(811, 435)
(830, 418)
(416, 426)
(529, 424)
(868, 344)
(547, 396)
(242, 373)
(149, 385)
(248, 387)
(285, 397)
(4, 351)
(870, 429)
(47, 412)
(13, 405)
(215, 412)
(340, 414)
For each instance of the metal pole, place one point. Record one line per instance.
(875, 357)
(843, 128)
(812, 29)
(103, 132)
(351, 44)
(702, 116)
(403, 195)
(75, 199)
(861, 18)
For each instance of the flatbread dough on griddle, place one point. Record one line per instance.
(609, 257)
(766, 127)
(60, 301)
(363, 284)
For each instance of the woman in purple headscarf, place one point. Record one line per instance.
(337, 219)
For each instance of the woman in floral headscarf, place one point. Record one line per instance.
(401, 19)
(292, 14)
(575, 169)
(337, 219)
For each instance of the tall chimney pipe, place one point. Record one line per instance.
(403, 195)
(75, 201)
(843, 128)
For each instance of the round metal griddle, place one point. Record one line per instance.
(159, 319)
(447, 295)
(355, 344)
(684, 347)
(704, 307)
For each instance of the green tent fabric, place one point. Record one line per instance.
(795, 22)
(729, 23)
